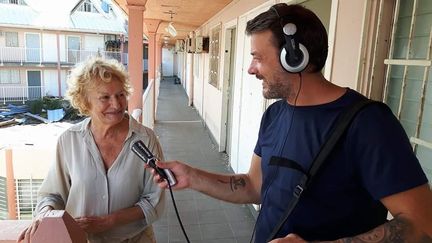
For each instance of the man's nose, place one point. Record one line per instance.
(252, 69)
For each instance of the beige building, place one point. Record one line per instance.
(41, 40)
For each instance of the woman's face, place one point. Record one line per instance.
(107, 103)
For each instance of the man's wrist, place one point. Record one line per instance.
(192, 177)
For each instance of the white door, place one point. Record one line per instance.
(252, 104)
(32, 44)
(73, 49)
(167, 62)
(228, 83)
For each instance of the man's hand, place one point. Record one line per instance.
(94, 224)
(182, 172)
(291, 238)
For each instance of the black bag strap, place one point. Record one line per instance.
(342, 123)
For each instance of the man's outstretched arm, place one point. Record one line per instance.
(235, 188)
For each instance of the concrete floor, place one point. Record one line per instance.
(183, 137)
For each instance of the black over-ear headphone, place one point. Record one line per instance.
(294, 57)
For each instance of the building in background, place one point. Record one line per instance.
(40, 41)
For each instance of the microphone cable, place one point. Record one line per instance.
(176, 211)
(144, 153)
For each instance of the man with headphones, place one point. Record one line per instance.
(371, 171)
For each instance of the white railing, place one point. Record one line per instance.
(34, 55)
(75, 56)
(148, 104)
(145, 65)
(19, 2)
(20, 93)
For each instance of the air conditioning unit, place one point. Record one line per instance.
(179, 46)
(201, 44)
(190, 45)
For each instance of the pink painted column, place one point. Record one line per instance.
(10, 188)
(152, 66)
(122, 61)
(58, 65)
(151, 55)
(159, 52)
(135, 52)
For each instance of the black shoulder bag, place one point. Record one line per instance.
(342, 123)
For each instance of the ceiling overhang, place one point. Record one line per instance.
(185, 15)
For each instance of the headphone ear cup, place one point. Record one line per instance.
(294, 64)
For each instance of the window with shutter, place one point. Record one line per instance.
(408, 83)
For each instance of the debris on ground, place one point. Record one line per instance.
(45, 110)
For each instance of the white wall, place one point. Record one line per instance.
(62, 48)
(51, 82)
(198, 89)
(208, 99)
(63, 82)
(347, 43)
(189, 75)
(179, 60)
(167, 62)
(250, 105)
(49, 47)
(94, 42)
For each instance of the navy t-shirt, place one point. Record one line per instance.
(374, 159)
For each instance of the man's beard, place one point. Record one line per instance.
(276, 89)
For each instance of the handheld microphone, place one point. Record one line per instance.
(145, 155)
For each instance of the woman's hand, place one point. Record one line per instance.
(31, 230)
(95, 224)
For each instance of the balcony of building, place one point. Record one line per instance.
(30, 56)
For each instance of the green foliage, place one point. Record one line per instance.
(36, 106)
(52, 103)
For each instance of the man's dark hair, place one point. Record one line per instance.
(310, 30)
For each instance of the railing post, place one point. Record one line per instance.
(1, 56)
(23, 96)
(21, 54)
(4, 96)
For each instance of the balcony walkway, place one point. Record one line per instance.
(183, 137)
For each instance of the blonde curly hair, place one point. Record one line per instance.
(88, 75)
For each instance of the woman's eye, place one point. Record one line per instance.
(104, 98)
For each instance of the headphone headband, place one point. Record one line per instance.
(294, 56)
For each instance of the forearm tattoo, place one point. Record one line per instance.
(398, 230)
(235, 182)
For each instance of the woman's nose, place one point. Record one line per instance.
(115, 101)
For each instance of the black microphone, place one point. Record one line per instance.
(145, 155)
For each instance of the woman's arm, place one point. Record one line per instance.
(97, 224)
